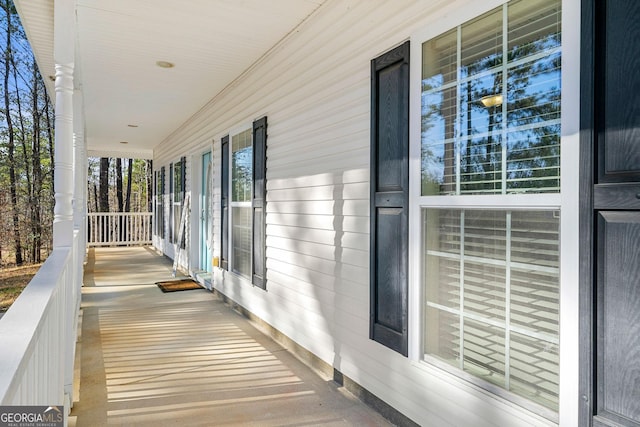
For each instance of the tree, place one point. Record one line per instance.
(104, 185)
(36, 224)
(49, 121)
(104, 193)
(26, 148)
(8, 6)
(127, 203)
(119, 185)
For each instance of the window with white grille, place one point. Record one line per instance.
(241, 196)
(489, 171)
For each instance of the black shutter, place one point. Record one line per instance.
(183, 175)
(224, 205)
(162, 197)
(610, 214)
(162, 189)
(259, 191)
(171, 191)
(183, 187)
(389, 198)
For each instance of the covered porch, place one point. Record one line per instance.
(334, 168)
(186, 358)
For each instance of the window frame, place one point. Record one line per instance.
(566, 201)
(256, 203)
(244, 204)
(509, 329)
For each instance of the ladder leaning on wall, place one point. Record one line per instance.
(181, 233)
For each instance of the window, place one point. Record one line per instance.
(160, 202)
(492, 297)
(491, 103)
(490, 145)
(243, 227)
(241, 187)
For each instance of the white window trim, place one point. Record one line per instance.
(566, 201)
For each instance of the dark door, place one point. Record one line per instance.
(612, 118)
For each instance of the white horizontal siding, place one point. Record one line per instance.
(349, 256)
(326, 237)
(315, 89)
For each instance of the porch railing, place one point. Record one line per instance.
(119, 228)
(38, 333)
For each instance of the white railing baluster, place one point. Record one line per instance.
(119, 229)
(39, 334)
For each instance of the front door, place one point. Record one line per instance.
(611, 119)
(205, 214)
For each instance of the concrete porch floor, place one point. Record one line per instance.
(186, 359)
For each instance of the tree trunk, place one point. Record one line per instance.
(11, 142)
(36, 223)
(95, 197)
(47, 174)
(104, 184)
(27, 154)
(119, 184)
(121, 222)
(50, 123)
(127, 200)
(104, 195)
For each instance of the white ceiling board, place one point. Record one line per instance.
(211, 43)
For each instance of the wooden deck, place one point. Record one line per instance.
(185, 358)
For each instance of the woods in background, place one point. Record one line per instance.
(119, 185)
(26, 149)
(27, 157)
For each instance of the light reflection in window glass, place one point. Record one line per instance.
(490, 125)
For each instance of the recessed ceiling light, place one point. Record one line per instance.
(124, 142)
(492, 100)
(164, 64)
(133, 126)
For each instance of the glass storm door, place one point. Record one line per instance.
(205, 217)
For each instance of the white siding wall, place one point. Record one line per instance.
(315, 89)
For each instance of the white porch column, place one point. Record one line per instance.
(64, 56)
(79, 226)
(79, 169)
(63, 212)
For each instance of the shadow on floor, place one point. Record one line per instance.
(185, 359)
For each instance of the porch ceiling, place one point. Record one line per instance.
(210, 42)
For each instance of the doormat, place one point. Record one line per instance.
(178, 285)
